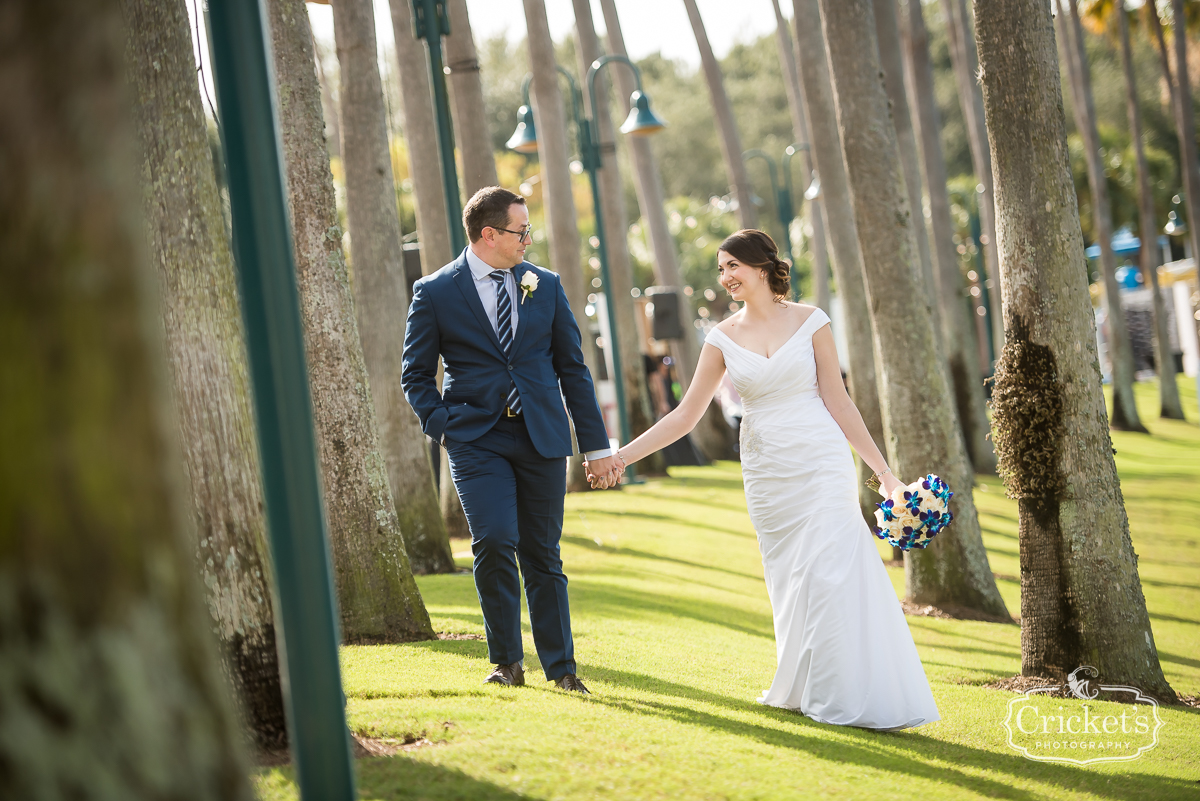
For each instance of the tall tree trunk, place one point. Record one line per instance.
(380, 289)
(433, 226)
(848, 267)
(1168, 390)
(731, 142)
(958, 326)
(616, 237)
(554, 155)
(918, 414)
(377, 595)
(466, 92)
(333, 129)
(964, 60)
(887, 34)
(712, 436)
(207, 356)
(111, 684)
(1186, 123)
(1081, 598)
(1124, 411)
(795, 97)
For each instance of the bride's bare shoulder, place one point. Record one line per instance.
(800, 312)
(730, 323)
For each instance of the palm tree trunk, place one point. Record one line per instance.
(616, 237)
(111, 682)
(712, 436)
(795, 96)
(965, 64)
(466, 92)
(380, 290)
(207, 356)
(1080, 604)
(918, 414)
(558, 199)
(958, 326)
(1186, 123)
(1124, 411)
(377, 594)
(843, 235)
(1168, 390)
(433, 226)
(731, 142)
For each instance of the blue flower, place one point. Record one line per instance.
(913, 501)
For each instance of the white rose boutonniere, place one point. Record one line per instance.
(529, 283)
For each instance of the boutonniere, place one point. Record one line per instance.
(529, 282)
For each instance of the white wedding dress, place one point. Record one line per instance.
(843, 650)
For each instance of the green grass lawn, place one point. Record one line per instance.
(673, 635)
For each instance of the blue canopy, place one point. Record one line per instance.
(1123, 243)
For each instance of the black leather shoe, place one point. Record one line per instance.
(572, 684)
(511, 675)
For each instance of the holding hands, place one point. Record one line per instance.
(605, 473)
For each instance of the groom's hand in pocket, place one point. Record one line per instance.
(604, 473)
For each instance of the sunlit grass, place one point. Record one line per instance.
(673, 634)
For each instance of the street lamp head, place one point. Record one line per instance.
(642, 121)
(814, 189)
(524, 138)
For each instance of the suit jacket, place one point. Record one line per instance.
(446, 318)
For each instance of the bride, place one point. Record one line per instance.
(843, 650)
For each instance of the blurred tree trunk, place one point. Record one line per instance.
(957, 326)
(887, 33)
(1168, 389)
(616, 236)
(207, 356)
(843, 235)
(111, 685)
(380, 289)
(731, 142)
(964, 60)
(554, 155)
(795, 97)
(333, 129)
(918, 414)
(1081, 598)
(712, 436)
(377, 594)
(429, 196)
(1124, 411)
(466, 93)
(1186, 123)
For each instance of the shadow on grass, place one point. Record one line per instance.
(584, 542)
(401, 777)
(627, 604)
(910, 753)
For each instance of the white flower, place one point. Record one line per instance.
(529, 282)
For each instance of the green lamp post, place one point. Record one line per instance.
(641, 121)
(784, 205)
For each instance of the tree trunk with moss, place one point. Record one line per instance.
(433, 225)
(377, 594)
(1168, 390)
(1124, 414)
(795, 97)
(843, 234)
(616, 234)
(1081, 598)
(111, 683)
(712, 435)
(207, 356)
(727, 131)
(918, 414)
(466, 93)
(957, 332)
(380, 290)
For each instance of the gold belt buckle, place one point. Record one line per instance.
(508, 412)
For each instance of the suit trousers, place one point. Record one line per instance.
(513, 498)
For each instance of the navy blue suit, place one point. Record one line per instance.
(510, 473)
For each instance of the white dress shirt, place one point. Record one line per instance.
(481, 272)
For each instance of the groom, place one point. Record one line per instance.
(512, 355)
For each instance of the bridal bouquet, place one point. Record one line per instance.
(914, 515)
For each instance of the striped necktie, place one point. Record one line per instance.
(504, 323)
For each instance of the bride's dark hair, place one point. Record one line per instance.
(755, 248)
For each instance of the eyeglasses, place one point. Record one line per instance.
(523, 233)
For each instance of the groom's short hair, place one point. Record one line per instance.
(488, 208)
